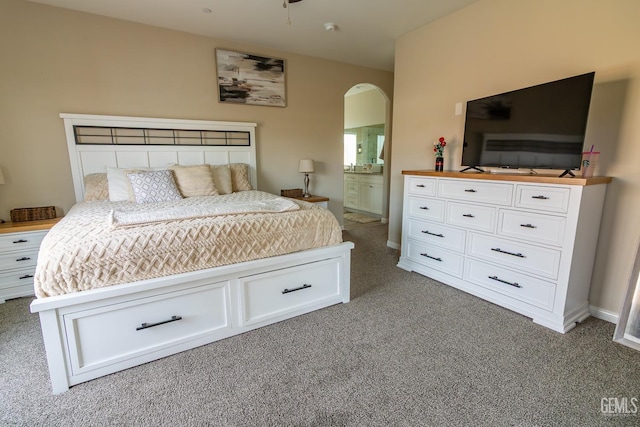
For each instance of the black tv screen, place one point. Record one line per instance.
(539, 127)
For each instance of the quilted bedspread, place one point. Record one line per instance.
(86, 251)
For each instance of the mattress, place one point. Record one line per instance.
(88, 249)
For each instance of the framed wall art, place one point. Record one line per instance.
(244, 78)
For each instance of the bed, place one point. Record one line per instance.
(121, 281)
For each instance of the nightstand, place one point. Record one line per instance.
(318, 200)
(19, 246)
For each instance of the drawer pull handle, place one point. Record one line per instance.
(420, 185)
(432, 257)
(519, 255)
(497, 279)
(151, 325)
(26, 276)
(528, 226)
(305, 286)
(432, 234)
(20, 241)
(24, 258)
(468, 215)
(539, 197)
(426, 208)
(470, 190)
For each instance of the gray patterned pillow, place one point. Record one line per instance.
(154, 186)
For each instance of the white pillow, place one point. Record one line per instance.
(119, 185)
(154, 186)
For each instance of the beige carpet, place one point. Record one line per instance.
(360, 218)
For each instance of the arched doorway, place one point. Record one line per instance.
(367, 151)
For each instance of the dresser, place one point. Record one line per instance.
(524, 242)
(19, 246)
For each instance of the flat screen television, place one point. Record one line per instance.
(539, 127)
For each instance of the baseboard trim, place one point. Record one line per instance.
(601, 313)
(393, 245)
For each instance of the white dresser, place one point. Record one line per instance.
(524, 242)
(19, 246)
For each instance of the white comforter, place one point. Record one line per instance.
(91, 248)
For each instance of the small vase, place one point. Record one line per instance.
(439, 164)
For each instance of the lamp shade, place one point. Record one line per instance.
(306, 166)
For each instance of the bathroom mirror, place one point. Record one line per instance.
(628, 327)
(364, 145)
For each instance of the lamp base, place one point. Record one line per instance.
(306, 186)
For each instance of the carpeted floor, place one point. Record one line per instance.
(406, 351)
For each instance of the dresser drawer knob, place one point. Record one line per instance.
(24, 258)
(420, 185)
(519, 255)
(539, 197)
(468, 215)
(151, 325)
(26, 276)
(432, 234)
(424, 208)
(432, 257)
(528, 226)
(305, 286)
(514, 284)
(20, 241)
(470, 190)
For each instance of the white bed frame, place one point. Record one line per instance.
(94, 333)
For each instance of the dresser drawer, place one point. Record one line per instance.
(431, 209)
(435, 257)
(420, 186)
(145, 325)
(537, 228)
(21, 260)
(482, 218)
(21, 241)
(476, 191)
(551, 199)
(437, 234)
(283, 291)
(522, 256)
(19, 277)
(515, 285)
(350, 177)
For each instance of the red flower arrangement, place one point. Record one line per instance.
(438, 147)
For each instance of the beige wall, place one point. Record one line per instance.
(494, 46)
(364, 109)
(55, 60)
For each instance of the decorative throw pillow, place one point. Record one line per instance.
(194, 181)
(240, 177)
(96, 187)
(222, 178)
(154, 186)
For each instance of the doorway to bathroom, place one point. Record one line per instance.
(366, 145)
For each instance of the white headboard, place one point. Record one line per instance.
(98, 142)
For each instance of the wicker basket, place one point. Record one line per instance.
(294, 192)
(33, 214)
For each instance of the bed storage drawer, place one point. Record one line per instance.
(284, 291)
(110, 334)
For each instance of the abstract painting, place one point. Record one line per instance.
(249, 79)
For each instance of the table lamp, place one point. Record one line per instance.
(306, 167)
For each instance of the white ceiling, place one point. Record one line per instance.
(366, 34)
